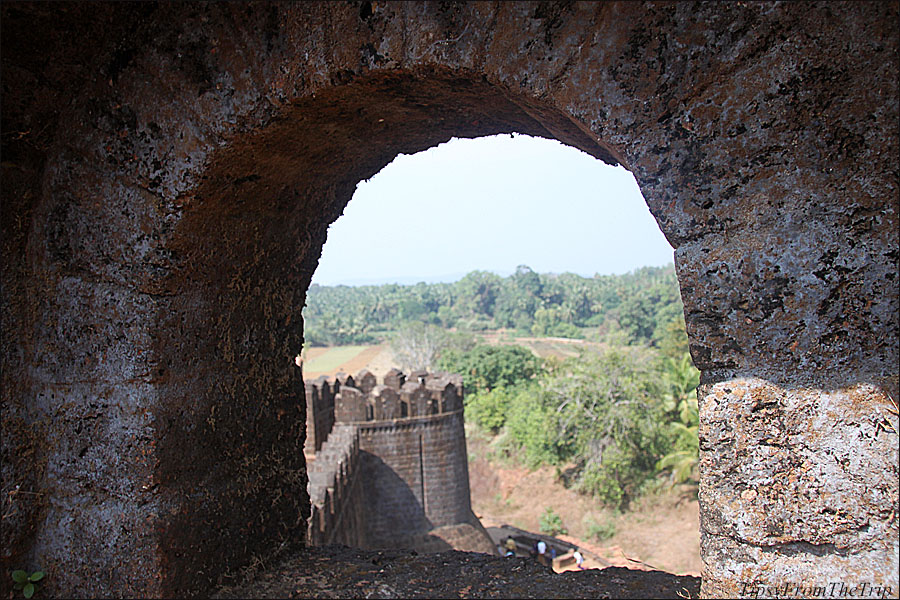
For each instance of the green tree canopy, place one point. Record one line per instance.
(486, 367)
(641, 304)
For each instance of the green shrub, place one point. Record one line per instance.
(551, 523)
(684, 455)
(487, 367)
(489, 409)
(601, 531)
(607, 412)
(532, 435)
(566, 330)
(598, 482)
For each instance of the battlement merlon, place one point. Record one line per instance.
(362, 399)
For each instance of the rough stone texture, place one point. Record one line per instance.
(169, 172)
(341, 572)
(799, 473)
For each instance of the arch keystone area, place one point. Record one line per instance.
(169, 172)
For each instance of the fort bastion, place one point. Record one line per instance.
(387, 462)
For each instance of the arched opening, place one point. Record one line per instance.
(271, 195)
(244, 252)
(482, 205)
(166, 190)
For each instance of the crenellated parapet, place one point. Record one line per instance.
(319, 413)
(335, 491)
(346, 399)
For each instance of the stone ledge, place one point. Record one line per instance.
(341, 572)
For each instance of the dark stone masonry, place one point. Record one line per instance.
(169, 171)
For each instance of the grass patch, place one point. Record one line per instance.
(332, 358)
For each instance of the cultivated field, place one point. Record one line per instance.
(348, 359)
(544, 346)
(379, 360)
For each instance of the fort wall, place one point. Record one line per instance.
(395, 464)
(319, 414)
(416, 474)
(335, 490)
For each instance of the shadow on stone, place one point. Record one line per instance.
(342, 572)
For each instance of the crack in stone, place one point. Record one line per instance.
(800, 547)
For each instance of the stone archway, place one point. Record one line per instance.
(169, 173)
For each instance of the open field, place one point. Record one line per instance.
(328, 361)
(555, 347)
(348, 359)
(378, 358)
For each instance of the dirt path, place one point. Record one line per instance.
(661, 532)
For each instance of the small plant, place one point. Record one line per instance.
(25, 582)
(601, 531)
(551, 523)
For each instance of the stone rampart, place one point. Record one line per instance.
(320, 413)
(338, 512)
(404, 441)
(416, 474)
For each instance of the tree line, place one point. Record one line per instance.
(638, 306)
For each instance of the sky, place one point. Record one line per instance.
(491, 204)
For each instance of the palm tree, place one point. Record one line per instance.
(683, 379)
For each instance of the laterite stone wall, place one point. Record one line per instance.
(417, 475)
(169, 172)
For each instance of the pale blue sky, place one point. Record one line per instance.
(491, 204)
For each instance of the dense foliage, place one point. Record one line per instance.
(622, 415)
(637, 306)
(486, 367)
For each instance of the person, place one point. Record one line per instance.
(542, 549)
(510, 547)
(579, 560)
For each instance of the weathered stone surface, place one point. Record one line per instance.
(341, 572)
(349, 405)
(169, 172)
(805, 474)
